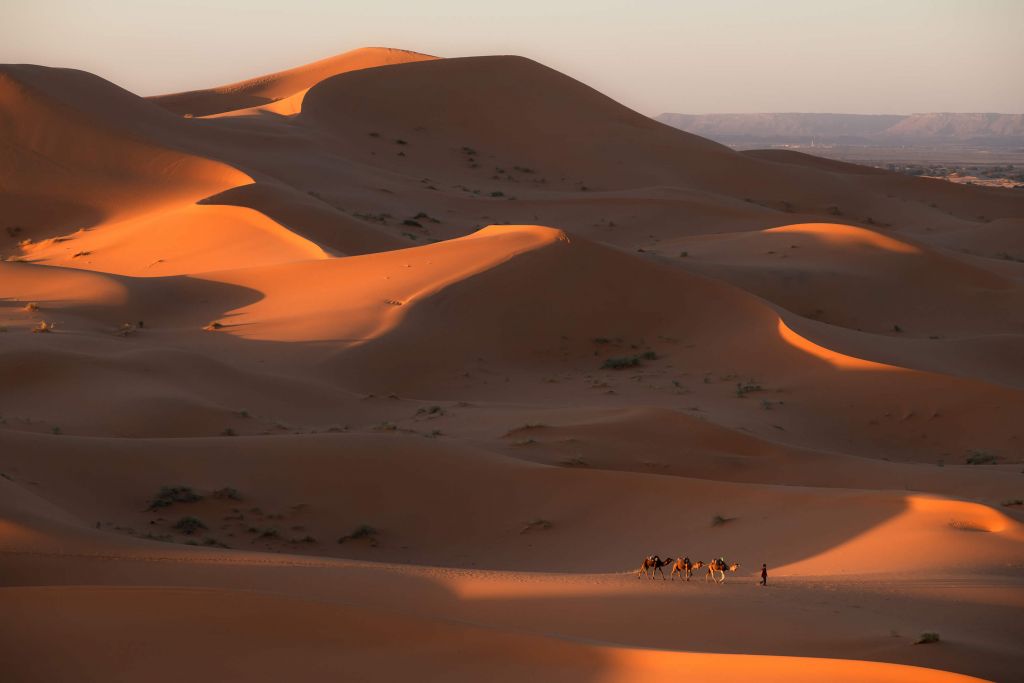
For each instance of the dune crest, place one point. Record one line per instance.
(273, 92)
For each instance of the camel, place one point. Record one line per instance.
(721, 567)
(655, 564)
(685, 568)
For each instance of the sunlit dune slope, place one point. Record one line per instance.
(177, 239)
(78, 151)
(267, 91)
(325, 641)
(862, 279)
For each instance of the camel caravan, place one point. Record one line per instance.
(685, 568)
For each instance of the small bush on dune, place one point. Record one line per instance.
(30, 307)
(719, 520)
(169, 495)
(980, 458)
(927, 637)
(621, 362)
(227, 493)
(189, 525)
(363, 531)
(742, 389)
(44, 327)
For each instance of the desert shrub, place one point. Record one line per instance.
(537, 524)
(169, 495)
(229, 432)
(44, 327)
(189, 525)
(649, 355)
(719, 520)
(31, 306)
(213, 326)
(620, 362)
(363, 531)
(432, 410)
(412, 223)
(744, 388)
(927, 637)
(977, 457)
(1012, 502)
(497, 193)
(227, 493)
(268, 533)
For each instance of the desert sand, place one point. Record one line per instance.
(392, 367)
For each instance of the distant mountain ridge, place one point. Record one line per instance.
(934, 127)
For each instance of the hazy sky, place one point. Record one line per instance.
(856, 56)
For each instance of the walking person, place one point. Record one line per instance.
(764, 574)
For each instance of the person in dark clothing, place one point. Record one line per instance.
(764, 574)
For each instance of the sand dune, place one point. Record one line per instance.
(444, 347)
(272, 92)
